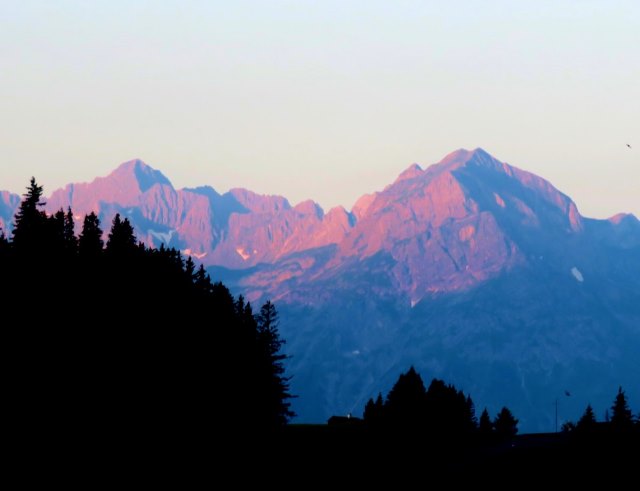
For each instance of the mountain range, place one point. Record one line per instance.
(471, 269)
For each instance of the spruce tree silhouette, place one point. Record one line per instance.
(485, 426)
(506, 426)
(621, 416)
(61, 238)
(190, 267)
(29, 232)
(469, 417)
(122, 239)
(369, 411)
(69, 234)
(587, 422)
(448, 411)
(90, 242)
(406, 402)
(273, 386)
(56, 232)
(202, 280)
(374, 411)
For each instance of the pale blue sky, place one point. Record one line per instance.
(322, 99)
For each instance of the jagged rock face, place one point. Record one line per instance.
(454, 225)
(238, 229)
(471, 269)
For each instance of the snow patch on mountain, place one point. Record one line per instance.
(189, 252)
(577, 274)
(241, 252)
(163, 236)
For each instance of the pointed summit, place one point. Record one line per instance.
(462, 157)
(122, 187)
(414, 170)
(137, 171)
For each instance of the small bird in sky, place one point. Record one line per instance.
(628, 145)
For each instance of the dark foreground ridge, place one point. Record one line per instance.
(369, 456)
(114, 345)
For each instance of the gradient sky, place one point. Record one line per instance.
(322, 99)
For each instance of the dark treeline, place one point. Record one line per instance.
(446, 413)
(619, 421)
(417, 431)
(441, 412)
(110, 337)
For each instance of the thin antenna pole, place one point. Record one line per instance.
(556, 415)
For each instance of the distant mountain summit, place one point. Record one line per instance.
(471, 269)
(453, 225)
(123, 186)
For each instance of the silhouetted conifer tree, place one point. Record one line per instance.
(448, 411)
(30, 222)
(374, 411)
(470, 415)
(273, 387)
(190, 268)
(56, 226)
(202, 280)
(506, 426)
(587, 421)
(70, 239)
(90, 242)
(621, 416)
(122, 239)
(369, 411)
(406, 401)
(485, 426)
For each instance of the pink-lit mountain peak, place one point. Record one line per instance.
(411, 172)
(123, 186)
(465, 179)
(463, 156)
(482, 165)
(137, 173)
(458, 159)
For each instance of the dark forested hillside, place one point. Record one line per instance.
(107, 338)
